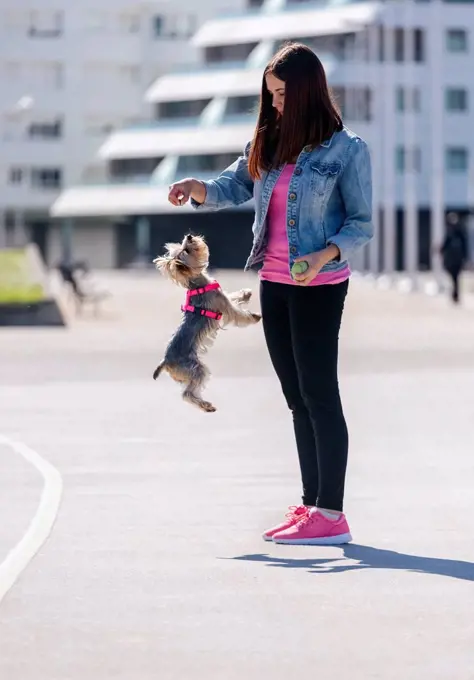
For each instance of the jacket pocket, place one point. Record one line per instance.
(324, 176)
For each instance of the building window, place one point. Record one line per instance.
(45, 24)
(419, 45)
(238, 52)
(158, 26)
(242, 105)
(181, 109)
(46, 130)
(123, 168)
(173, 26)
(205, 163)
(417, 48)
(457, 159)
(408, 160)
(46, 178)
(456, 99)
(355, 103)
(456, 40)
(408, 99)
(15, 176)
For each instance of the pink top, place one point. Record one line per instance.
(276, 264)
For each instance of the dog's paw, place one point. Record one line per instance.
(246, 294)
(208, 407)
(256, 317)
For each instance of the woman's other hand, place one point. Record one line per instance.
(316, 262)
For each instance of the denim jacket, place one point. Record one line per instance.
(329, 199)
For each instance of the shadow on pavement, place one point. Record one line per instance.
(371, 558)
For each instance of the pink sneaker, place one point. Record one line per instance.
(314, 528)
(295, 513)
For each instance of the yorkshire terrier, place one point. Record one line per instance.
(206, 306)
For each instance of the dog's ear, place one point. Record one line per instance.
(172, 249)
(160, 262)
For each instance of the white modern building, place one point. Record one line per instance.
(70, 74)
(402, 73)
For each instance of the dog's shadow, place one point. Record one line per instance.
(369, 558)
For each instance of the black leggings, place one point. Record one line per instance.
(301, 326)
(454, 273)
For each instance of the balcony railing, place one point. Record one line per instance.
(209, 67)
(150, 125)
(194, 121)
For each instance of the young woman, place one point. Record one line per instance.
(311, 181)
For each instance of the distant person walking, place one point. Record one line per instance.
(454, 252)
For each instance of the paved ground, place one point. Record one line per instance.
(155, 567)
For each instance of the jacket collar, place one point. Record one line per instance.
(328, 142)
(325, 144)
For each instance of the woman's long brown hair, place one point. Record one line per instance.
(310, 115)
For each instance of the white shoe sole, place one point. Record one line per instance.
(327, 540)
(269, 539)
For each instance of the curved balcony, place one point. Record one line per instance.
(313, 19)
(159, 140)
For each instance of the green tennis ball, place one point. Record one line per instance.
(299, 267)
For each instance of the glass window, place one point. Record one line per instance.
(400, 99)
(158, 25)
(181, 109)
(456, 40)
(419, 45)
(133, 167)
(416, 48)
(457, 159)
(15, 175)
(408, 160)
(400, 158)
(238, 52)
(243, 104)
(456, 99)
(45, 130)
(205, 163)
(412, 102)
(45, 24)
(46, 178)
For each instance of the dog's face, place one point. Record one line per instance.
(184, 261)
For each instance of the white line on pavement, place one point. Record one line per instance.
(40, 527)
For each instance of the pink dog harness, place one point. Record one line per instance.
(188, 307)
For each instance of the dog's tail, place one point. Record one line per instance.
(158, 370)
